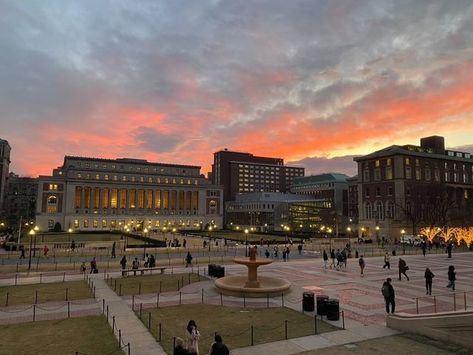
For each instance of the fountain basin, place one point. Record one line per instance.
(237, 286)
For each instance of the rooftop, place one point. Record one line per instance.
(321, 178)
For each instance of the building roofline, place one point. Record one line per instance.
(131, 161)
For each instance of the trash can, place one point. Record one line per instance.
(219, 271)
(321, 309)
(211, 271)
(332, 308)
(308, 301)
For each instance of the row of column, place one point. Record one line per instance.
(115, 198)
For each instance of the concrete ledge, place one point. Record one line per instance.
(454, 327)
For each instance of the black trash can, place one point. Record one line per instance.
(321, 309)
(333, 309)
(308, 301)
(212, 269)
(219, 271)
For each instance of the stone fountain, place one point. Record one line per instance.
(252, 285)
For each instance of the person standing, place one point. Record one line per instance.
(389, 296)
(22, 251)
(218, 347)
(452, 276)
(193, 336)
(114, 245)
(73, 245)
(299, 248)
(266, 253)
(123, 264)
(449, 250)
(325, 256)
(45, 251)
(361, 261)
(188, 259)
(387, 257)
(424, 248)
(429, 275)
(403, 268)
(332, 256)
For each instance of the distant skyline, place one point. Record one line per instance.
(313, 82)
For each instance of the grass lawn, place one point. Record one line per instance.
(393, 345)
(86, 335)
(233, 324)
(67, 237)
(25, 294)
(153, 283)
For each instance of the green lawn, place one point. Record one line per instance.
(233, 324)
(26, 294)
(153, 283)
(86, 335)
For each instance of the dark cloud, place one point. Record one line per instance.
(314, 166)
(218, 69)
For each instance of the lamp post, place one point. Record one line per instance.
(31, 233)
(145, 231)
(246, 241)
(210, 236)
(36, 230)
(377, 234)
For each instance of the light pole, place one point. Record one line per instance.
(31, 233)
(377, 234)
(246, 241)
(145, 231)
(210, 236)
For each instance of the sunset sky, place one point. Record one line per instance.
(313, 82)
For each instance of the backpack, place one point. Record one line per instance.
(385, 290)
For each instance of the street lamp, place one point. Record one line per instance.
(31, 233)
(246, 241)
(145, 231)
(377, 234)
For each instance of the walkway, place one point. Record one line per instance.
(133, 330)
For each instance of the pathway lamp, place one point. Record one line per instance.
(32, 234)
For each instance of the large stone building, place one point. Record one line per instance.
(246, 173)
(107, 194)
(4, 170)
(20, 198)
(402, 188)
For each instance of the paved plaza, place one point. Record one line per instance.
(360, 298)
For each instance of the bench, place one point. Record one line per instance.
(143, 270)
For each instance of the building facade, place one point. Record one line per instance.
(403, 188)
(245, 173)
(20, 198)
(107, 194)
(4, 170)
(273, 211)
(330, 187)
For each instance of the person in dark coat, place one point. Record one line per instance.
(403, 268)
(389, 296)
(449, 250)
(325, 256)
(188, 259)
(429, 275)
(218, 347)
(179, 348)
(452, 276)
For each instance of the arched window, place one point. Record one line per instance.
(368, 210)
(390, 209)
(379, 207)
(52, 204)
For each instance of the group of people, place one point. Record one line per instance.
(191, 346)
(340, 256)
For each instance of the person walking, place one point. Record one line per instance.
(325, 256)
(387, 264)
(452, 276)
(188, 259)
(361, 261)
(218, 347)
(93, 266)
(193, 336)
(332, 256)
(429, 275)
(22, 251)
(424, 248)
(403, 268)
(266, 253)
(73, 245)
(114, 245)
(389, 296)
(45, 250)
(299, 249)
